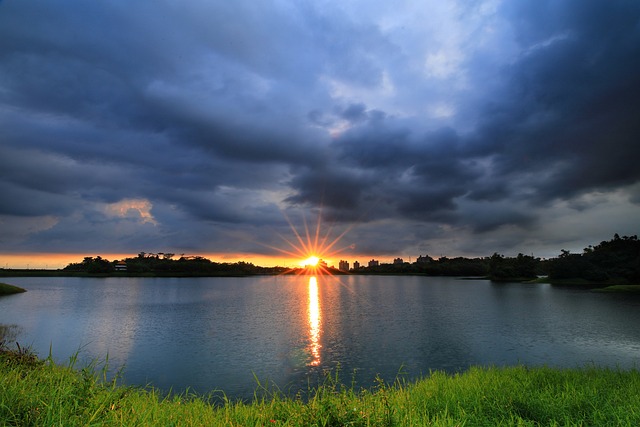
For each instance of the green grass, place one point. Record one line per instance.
(37, 392)
(6, 289)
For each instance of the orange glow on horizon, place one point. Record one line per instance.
(312, 261)
(310, 248)
(54, 261)
(50, 261)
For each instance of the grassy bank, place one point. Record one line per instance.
(627, 289)
(41, 393)
(614, 285)
(6, 289)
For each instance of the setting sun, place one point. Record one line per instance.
(311, 249)
(312, 261)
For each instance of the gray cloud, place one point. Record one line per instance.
(415, 126)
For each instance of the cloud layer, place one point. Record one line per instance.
(459, 129)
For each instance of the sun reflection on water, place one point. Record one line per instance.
(314, 322)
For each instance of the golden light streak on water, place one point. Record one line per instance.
(314, 322)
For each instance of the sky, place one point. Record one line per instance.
(391, 129)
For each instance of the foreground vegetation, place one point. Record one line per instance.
(34, 392)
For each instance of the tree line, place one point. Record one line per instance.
(616, 260)
(164, 264)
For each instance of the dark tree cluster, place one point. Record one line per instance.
(443, 266)
(522, 267)
(616, 260)
(164, 265)
(91, 265)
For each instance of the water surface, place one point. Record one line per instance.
(221, 333)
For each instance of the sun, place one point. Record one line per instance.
(311, 249)
(312, 261)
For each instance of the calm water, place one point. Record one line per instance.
(217, 333)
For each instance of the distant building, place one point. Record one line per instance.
(374, 263)
(398, 261)
(343, 265)
(424, 259)
(356, 265)
(121, 266)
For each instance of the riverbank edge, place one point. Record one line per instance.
(610, 286)
(7, 289)
(39, 392)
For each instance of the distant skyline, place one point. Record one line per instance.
(408, 128)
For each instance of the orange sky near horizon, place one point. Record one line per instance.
(61, 260)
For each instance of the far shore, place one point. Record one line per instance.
(610, 286)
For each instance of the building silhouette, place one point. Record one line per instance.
(424, 259)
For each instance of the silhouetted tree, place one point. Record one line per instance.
(616, 260)
(521, 267)
(92, 265)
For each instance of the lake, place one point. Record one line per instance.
(210, 334)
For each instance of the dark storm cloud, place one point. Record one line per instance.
(209, 119)
(96, 90)
(418, 173)
(564, 123)
(574, 98)
(328, 187)
(355, 113)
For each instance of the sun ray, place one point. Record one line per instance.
(337, 239)
(296, 254)
(318, 244)
(317, 230)
(305, 248)
(310, 242)
(306, 241)
(300, 252)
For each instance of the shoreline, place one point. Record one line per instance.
(607, 287)
(7, 289)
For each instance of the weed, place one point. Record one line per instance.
(43, 393)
